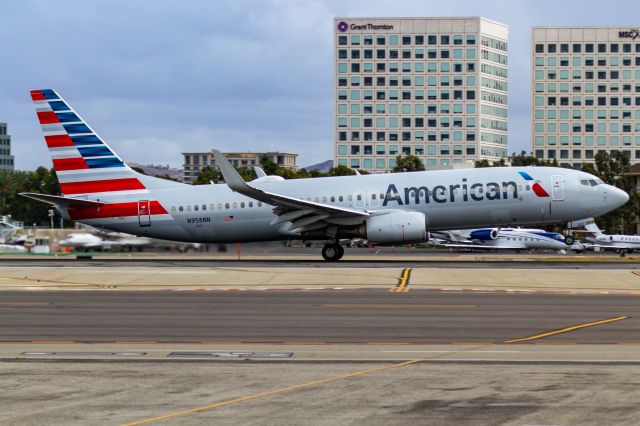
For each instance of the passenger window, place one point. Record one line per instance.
(350, 197)
(341, 198)
(382, 196)
(333, 199)
(235, 205)
(259, 203)
(219, 206)
(188, 208)
(359, 197)
(316, 199)
(324, 199)
(180, 208)
(196, 208)
(242, 205)
(226, 205)
(204, 207)
(373, 196)
(528, 187)
(250, 203)
(212, 207)
(173, 209)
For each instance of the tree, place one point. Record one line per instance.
(42, 180)
(207, 175)
(247, 173)
(340, 171)
(523, 159)
(611, 169)
(269, 166)
(482, 163)
(408, 163)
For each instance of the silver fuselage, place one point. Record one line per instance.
(449, 199)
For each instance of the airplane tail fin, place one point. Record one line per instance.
(589, 224)
(83, 162)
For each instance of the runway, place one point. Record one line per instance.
(473, 262)
(317, 317)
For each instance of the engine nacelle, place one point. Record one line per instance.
(484, 234)
(397, 228)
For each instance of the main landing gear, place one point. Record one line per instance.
(332, 252)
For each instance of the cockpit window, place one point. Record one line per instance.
(593, 182)
(584, 182)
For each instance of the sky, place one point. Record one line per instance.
(157, 78)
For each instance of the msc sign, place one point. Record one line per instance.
(632, 34)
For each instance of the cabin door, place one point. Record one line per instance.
(144, 213)
(557, 188)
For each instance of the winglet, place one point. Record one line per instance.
(231, 177)
(235, 182)
(259, 172)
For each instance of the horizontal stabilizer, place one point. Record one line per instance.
(62, 201)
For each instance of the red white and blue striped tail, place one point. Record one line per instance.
(83, 162)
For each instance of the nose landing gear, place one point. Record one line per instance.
(332, 252)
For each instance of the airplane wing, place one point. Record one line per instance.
(304, 215)
(64, 201)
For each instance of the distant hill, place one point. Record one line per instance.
(158, 170)
(323, 167)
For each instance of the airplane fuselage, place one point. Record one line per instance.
(464, 198)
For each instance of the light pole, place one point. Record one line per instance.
(51, 213)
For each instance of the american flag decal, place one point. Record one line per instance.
(228, 218)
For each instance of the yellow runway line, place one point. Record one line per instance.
(401, 287)
(565, 330)
(267, 393)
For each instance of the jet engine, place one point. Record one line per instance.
(395, 228)
(484, 234)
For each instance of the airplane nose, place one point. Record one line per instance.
(618, 196)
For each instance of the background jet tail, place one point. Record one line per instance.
(83, 162)
(589, 224)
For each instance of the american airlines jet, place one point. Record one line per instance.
(99, 189)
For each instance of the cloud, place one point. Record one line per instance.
(156, 78)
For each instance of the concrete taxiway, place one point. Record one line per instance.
(377, 342)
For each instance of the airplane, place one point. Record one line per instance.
(617, 242)
(100, 189)
(88, 241)
(506, 239)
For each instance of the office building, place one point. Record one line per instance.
(196, 161)
(585, 93)
(431, 87)
(6, 159)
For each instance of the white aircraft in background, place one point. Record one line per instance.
(99, 189)
(506, 239)
(617, 242)
(88, 241)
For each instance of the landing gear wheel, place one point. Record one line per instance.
(332, 252)
(569, 240)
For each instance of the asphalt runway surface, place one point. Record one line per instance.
(364, 317)
(383, 262)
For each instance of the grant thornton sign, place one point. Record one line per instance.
(343, 27)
